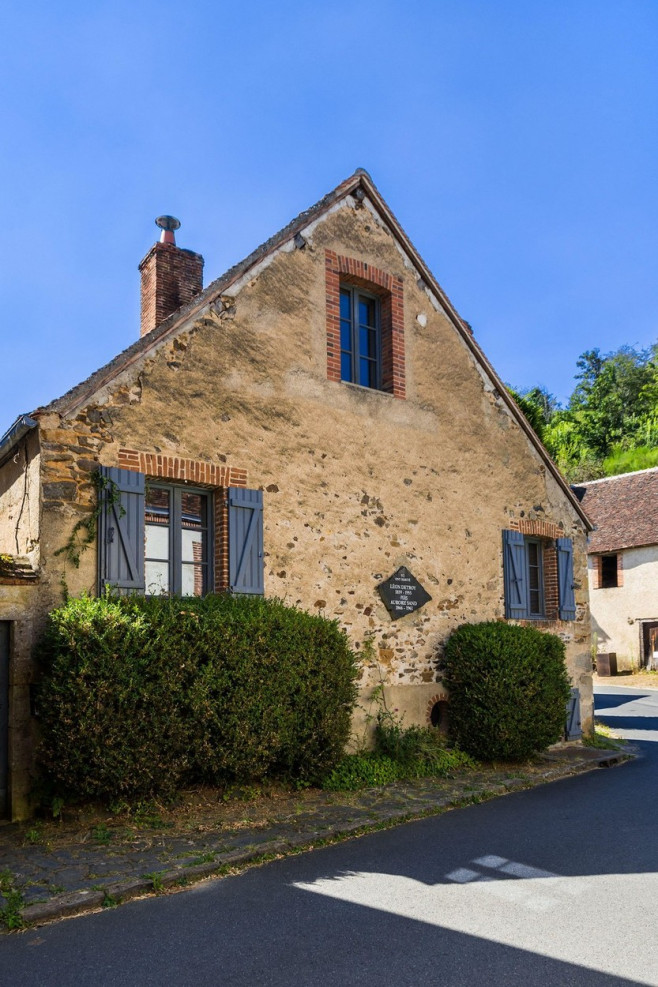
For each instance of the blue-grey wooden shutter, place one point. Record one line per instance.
(514, 572)
(567, 600)
(573, 730)
(121, 530)
(245, 541)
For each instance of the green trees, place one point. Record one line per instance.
(610, 425)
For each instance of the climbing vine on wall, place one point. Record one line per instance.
(85, 529)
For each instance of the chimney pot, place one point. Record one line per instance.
(171, 276)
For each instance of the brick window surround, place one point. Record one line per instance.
(597, 570)
(548, 532)
(202, 474)
(389, 289)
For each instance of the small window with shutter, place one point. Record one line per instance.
(529, 582)
(157, 538)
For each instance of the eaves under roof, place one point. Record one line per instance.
(624, 509)
(84, 392)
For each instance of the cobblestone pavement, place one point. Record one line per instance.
(42, 881)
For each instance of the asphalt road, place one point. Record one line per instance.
(557, 885)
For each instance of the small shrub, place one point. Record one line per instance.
(356, 771)
(400, 753)
(140, 696)
(508, 689)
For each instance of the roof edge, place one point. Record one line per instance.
(14, 434)
(83, 392)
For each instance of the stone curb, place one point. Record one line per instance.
(78, 902)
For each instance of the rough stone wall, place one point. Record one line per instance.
(356, 482)
(17, 605)
(19, 500)
(617, 611)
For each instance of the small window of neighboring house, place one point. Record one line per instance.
(360, 337)
(609, 578)
(177, 541)
(526, 576)
(156, 538)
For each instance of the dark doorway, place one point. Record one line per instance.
(650, 644)
(4, 718)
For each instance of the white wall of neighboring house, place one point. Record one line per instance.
(618, 612)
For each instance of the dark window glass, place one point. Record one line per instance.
(535, 606)
(359, 338)
(346, 305)
(608, 571)
(346, 336)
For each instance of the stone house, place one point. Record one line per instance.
(623, 565)
(314, 422)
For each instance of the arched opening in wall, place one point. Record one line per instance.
(438, 716)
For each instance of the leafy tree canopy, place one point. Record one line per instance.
(610, 424)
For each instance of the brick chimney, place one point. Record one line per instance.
(171, 276)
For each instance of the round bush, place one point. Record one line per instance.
(141, 696)
(508, 689)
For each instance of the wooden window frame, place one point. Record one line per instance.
(355, 294)
(609, 577)
(539, 614)
(175, 562)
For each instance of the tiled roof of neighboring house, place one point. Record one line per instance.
(623, 508)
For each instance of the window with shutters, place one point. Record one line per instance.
(538, 577)
(173, 539)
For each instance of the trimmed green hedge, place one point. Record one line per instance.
(508, 689)
(141, 696)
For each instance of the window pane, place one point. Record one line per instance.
(157, 506)
(157, 578)
(346, 366)
(535, 602)
(367, 312)
(345, 336)
(193, 513)
(367, 343)
(345, 305)
(193, 546)
(367, 373)
(192, 580)
(157, 541)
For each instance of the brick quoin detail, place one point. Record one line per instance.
(202, 474)
(551, 591)
(390, 290)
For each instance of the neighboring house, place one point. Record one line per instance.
(623, 565)
(314, 422)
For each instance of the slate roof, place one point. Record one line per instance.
(624, 510)
(359, 184)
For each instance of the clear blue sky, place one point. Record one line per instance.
(515, 140)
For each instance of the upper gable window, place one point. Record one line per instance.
(365, 325)
(360, 338)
